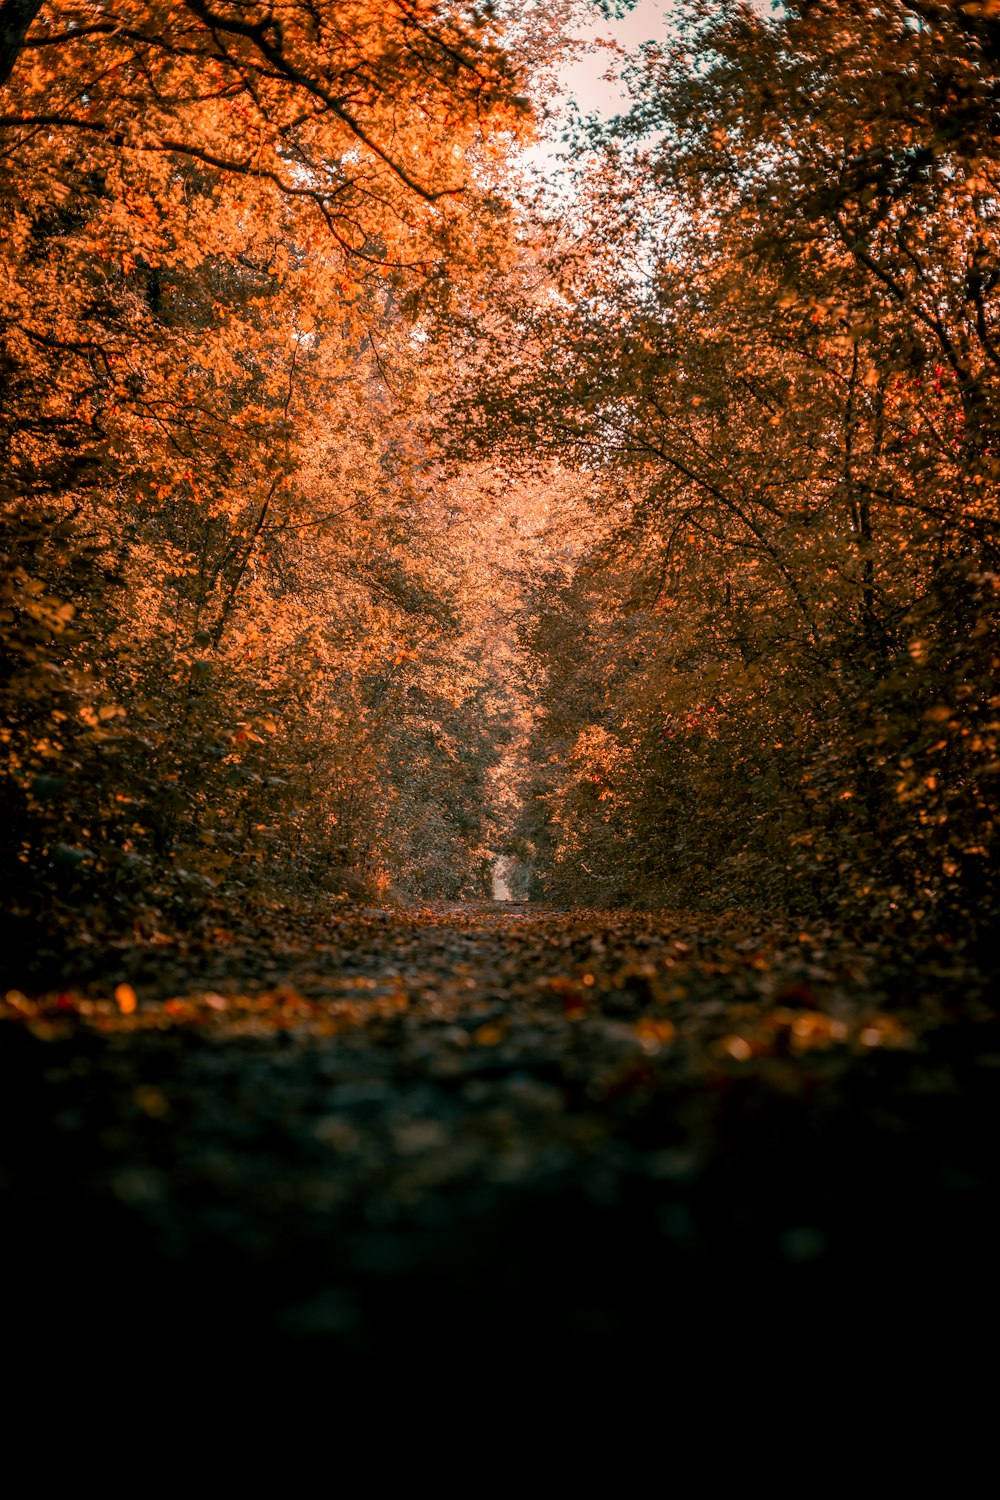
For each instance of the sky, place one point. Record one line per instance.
(582, 79)
(649, 20)
(580, 82)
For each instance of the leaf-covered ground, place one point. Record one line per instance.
(499, 1128)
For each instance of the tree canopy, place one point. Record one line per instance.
(367, 515)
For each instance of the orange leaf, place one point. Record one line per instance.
(126, 999)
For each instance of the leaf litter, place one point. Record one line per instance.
(530, 1118)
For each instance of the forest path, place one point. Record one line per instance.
(396, 1126)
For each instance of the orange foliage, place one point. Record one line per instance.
(240, 629)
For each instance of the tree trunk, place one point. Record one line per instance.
(16, 17)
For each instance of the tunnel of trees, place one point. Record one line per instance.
(418, 492)
(368, 514)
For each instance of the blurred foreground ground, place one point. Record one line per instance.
(488, 1131)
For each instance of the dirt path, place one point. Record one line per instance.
(565, 1129)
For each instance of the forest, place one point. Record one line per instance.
(416, 489)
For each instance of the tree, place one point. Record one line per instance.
(770, 344)
(218, 221)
